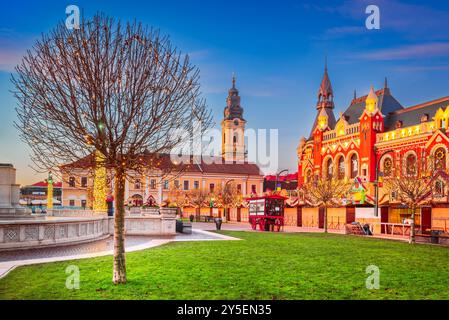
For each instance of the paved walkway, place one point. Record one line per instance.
(9, 260)
(245, 226)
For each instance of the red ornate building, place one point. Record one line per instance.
(378, 129)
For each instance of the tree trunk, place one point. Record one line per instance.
(412, 227)
(325, 219)
(119, 228)
(198, 214)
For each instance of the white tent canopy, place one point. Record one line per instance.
(44, 202)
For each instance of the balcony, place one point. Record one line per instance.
(349, 130)
(402, 133)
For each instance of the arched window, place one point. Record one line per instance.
(235, 138)
(308, 177)
(440, 159)
(388, 167)
(329, 169)
(410, 164)
(341, 168)
(354, 166)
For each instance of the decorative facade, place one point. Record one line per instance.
(376, 130)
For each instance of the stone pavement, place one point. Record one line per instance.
(12, 259)
(245, 226)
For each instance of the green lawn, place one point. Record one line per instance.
(263, 266)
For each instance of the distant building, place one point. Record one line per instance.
(38, 192)
(376, 129)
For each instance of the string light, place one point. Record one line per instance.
(50, 191)
(100, 183)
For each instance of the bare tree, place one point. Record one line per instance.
(108, 89)
(198, 198)
(326, 192)
(412, 183)
(228, 197)
(177, 197)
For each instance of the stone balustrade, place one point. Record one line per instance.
(51, 232)
(65, 228)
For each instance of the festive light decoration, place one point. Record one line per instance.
(50, 191)
(100, 183)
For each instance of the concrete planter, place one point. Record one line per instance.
(168, 211)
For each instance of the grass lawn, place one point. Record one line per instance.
(263, 266)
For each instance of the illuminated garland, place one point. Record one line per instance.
(50, 191)
(100, 190)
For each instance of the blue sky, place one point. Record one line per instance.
(277, 50)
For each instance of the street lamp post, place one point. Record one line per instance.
(277, 178)
(376, 182)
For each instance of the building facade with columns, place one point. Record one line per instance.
(376, 130)
(207, 174)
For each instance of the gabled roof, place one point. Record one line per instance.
(387, 103)
(44, 184)
(412, 115)
(288, 177)
(164, 162)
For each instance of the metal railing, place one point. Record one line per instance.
(395, 229)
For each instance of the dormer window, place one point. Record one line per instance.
(398, 124)
(424, 118)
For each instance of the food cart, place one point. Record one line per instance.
(267, 212)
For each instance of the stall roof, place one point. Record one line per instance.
(276, 197)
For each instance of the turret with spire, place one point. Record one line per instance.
(325, 116)
(325, 93)
(233, 109)
(372, 101)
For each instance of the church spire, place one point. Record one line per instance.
(325, 93)
(325, 117)
(233, 108)
(386, 88)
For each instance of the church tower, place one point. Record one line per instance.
(371, 123)
(325, 118)
(233, 128)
